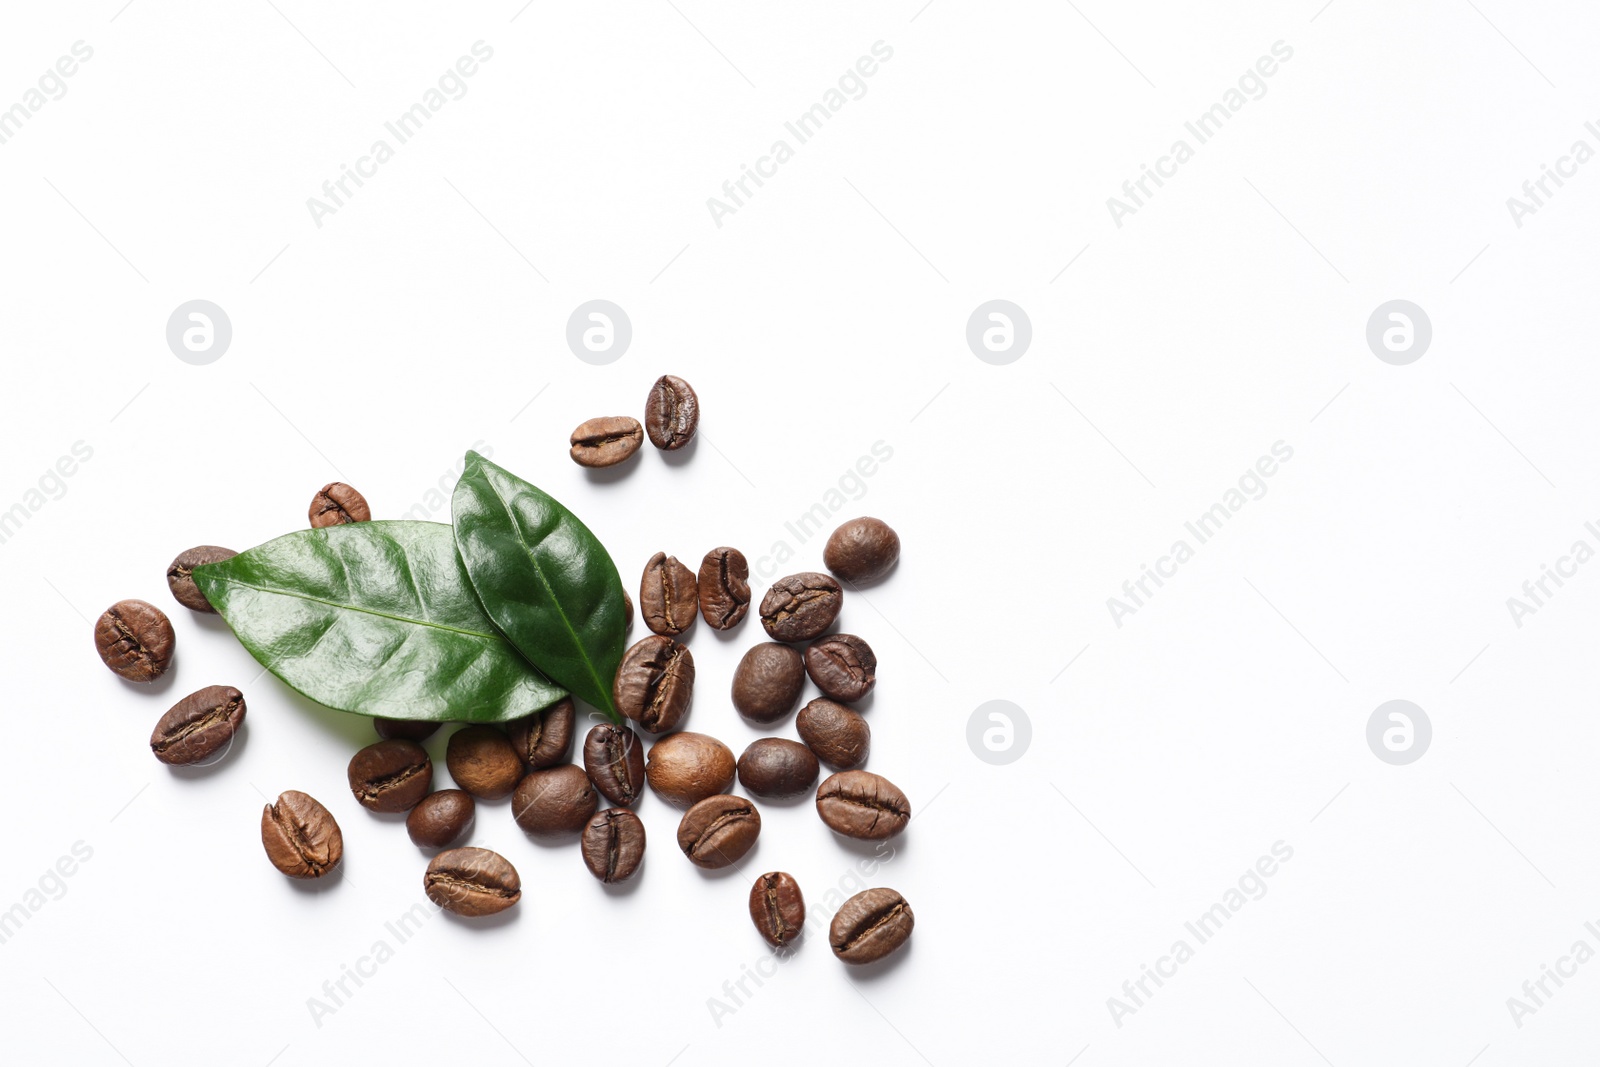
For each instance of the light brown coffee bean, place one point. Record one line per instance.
(544, 738)
(472, 882)
(800, 606)
(554, 802)
(724, 582)
(655, 683)
(606, 441)
(870, 925)
(863, 805)
(672, 413)
(669, 596)
(767, 682)
(777, 908)
(482, 761)
(301, 838)
(337, 504)
(718, 831)
(135, 640)
(390, 776)
(685, 767)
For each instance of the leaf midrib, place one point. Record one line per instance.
(361, 610)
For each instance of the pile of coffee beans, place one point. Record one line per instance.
(528, 760)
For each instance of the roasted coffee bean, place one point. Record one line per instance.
(800, 606)
(768, 681)
(482, 761)
(404, 729)
(870, 925)
(718, 831)
(862, 550)
(685, 768)
(390, 775)
(668, 595)
(838, 736)
(863, 805)
(627, 612)
(613, 756)
(606, 441)
(135, 640)
(672, 414)
(777, 767)
(556, 801)
(544, 738)
(336, 504)
(300, 837)
(180, 575)
(724, 588)
(472, 882)
(777, 908)
(613, 845)
(655, 683)
(198, 725)
(843, 666)
(439, 819)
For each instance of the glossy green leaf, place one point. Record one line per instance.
(544, 579)
(377, 618)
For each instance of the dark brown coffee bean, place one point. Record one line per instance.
(439, 819)
(198, 725)
(843, 666)
(862, 550)
(724, 588)
(863, 805)
(613, 756)
(777, 908)
(135, 640)
(481, 760)
(556, 801)
(337, 504)
(668, 595)
(390, 776)
(606, 441)
(870, 925)
(768, 681)
(777, 767)
(718, 831)
(404, 729)
(838, 736)
(800, 606)
(543, 739)
(685, 768)
(301, 838)
(472, 882)
(180, 575)
(613, 845)
(655, 683)
(672, 413)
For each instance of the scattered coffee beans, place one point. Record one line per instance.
(439, 819)
(862, 550)
(180, 575)
(613, 845)
(404, 729)
(838, 736)
(870, 925)
(481, 760)
(613, 756)
(390, 776)
(606, 441)
(685, 768)
(672, 413)
(198, 725)
(777, 908)
(655, 683)
(843, 666)
(777, 767)
(718, 831)
(472, 882)
(724, 588)
(668, 595)
(135, 640)
(800, 606)
(336, 504)
(554, 802)
(300, 837)
(543, 739)
(768, 681)
(863, 805)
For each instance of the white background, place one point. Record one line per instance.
(829, 313)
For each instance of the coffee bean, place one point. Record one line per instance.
(627, 612)
(862, 550)
(198, 725)
(404, 729)
(554, 802)
(685, 768)
(544, 738)
(481, 760)
(768, 681)
(777, 767)
(777, 908)
(800, 606)
(863, 805)
(838, 736)
(870, 925)
(390, 776)
(440, 818)
(718, 831)
(336, 504)
(724, 588)
(135, 640)
(613, 845)
(606, 441)
(613, 756)
(843, 666)
(655, 683)
(668, 595)
(180, 575)
(472, 882)
(672, 414)
(301, 838)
